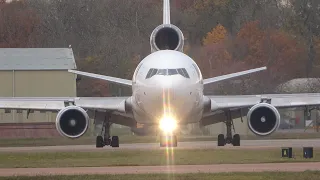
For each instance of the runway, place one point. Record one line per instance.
(217, 168)
(214, 168)
(245, 144)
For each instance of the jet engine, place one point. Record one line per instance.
(263, 119)
(167, 37)
(72, 121)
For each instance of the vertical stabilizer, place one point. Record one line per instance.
(166, 11)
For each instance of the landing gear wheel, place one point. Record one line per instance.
(221, 140)
(174, 141)
(236, 140)
(162, 141)
(115, 141)
(99, 142)
(168, 141)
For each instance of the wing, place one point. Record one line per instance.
(239, 105)
(233, 75)
(125, 82)
(277, 100)
(116, 104)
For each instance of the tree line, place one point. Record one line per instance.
(223, 36)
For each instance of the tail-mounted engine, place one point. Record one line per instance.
(72, 121)
(167, 37)
(263, 119)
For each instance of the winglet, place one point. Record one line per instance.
(106, 78)
(166, 11)
(233, 75)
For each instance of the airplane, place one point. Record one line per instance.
(167, 92)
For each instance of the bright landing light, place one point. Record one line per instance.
(168, 124)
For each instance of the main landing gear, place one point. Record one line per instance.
(106, 139)
(235, 139)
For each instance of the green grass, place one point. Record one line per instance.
(86, 140)
(145, 158)
(308, 175)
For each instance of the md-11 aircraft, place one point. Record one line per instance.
(167, 92)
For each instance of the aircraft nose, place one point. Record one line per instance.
(166, 83)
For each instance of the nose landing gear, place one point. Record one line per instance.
(168, 141)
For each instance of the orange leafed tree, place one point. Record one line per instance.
(214, 55)
(279, 51)
(253, 47)
(218, 34)
(17, 23)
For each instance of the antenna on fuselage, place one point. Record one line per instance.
(166, 11)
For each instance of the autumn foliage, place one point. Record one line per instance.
(271, 47)
(100, 88)
(17, 23)
(252, 47)
(218, 34)
(223, 36)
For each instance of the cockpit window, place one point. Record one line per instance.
(183, 72)
(162, 72)
(172, 72)
(151, 73)
(167, 72)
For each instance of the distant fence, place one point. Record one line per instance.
(28, 130)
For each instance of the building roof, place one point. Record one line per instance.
(36, 59)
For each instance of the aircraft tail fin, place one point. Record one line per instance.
(166, 12)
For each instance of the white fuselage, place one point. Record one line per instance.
(167, 83)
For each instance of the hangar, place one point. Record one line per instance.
(34, 72)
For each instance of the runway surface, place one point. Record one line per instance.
(216, 168)
(245, 144)
(291, 167)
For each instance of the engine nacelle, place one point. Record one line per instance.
(167, 37)
(263, 119)
(72, 121)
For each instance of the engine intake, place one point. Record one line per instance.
(72, 121)
(263, 119)
(167, 36)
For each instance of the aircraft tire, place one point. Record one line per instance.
(236, 140)
(175, 141)
(221, 140)
(169, 143)
(115, 141)
(99, 142)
